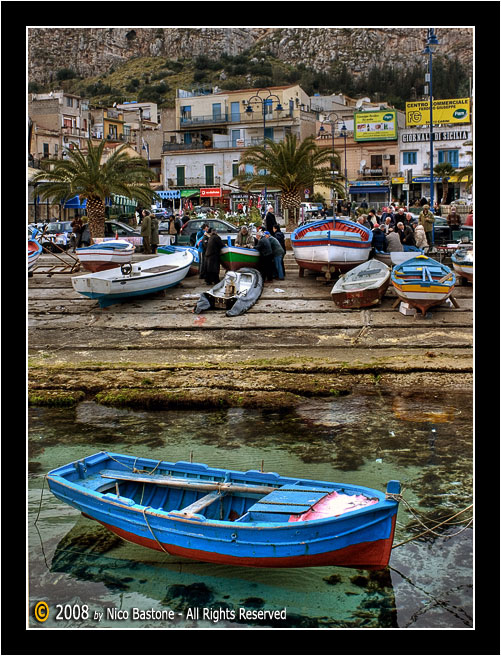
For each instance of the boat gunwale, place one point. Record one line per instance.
(382, 504)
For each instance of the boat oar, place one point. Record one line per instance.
(448, 275)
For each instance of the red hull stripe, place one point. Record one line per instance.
(365, 555)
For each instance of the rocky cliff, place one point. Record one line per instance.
(92, 51)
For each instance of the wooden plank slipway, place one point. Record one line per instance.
(293, 319)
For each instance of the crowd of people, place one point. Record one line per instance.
(269, 241)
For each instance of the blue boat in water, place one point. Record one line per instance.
(252, 518)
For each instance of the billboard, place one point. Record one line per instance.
(375, 126)
(455, 110)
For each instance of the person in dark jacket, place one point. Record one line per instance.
(379, 242)
(278, 253)
(212, 254)
(280, 237)
(265, 256)
(201, 244)
(270, 220)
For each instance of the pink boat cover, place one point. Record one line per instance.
(333, 505)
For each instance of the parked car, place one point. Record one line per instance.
(113, 228)
(56, 235)
(191, 227)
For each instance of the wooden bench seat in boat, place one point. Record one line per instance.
(186, 483)
(200, 504)
(286, 501)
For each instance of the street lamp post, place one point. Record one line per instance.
(344, 133)
(333, 124)
(266, 101)
(431, 45)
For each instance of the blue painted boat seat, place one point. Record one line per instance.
(289, 501)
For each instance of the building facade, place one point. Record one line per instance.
(201, 152)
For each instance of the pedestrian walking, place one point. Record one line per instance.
(426, 219)
(270, 219)
(453, 220)
(202, 238)
(146, 231)
(77, 227)
(154, 234)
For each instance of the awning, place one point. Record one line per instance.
(74, 203)
(188, 193)
(369, 190)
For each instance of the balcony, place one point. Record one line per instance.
(242, 117)
(199, 145)
(173, 183)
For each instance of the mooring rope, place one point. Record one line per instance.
(155, 537)
(428, 529)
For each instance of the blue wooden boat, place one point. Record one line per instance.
(252, 518)
(423, 282)
(34, 252)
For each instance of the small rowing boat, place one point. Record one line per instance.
(462, 261)
(423, 282)
(331, 245)
(131, 280)
(362, 286)
(236, 293)
(34, 252)
(233, 258)
(105, 255)
(397, 257)
(218, 515)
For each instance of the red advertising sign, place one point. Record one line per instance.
(210, 193)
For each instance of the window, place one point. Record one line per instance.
(69, 102)
(216, 110)
(186, 113)
(209, 174)
(235, 134)
(45, 149)
(235, 111)
(450, 156)
(376, 161)
(180, 176)
(234, 169)
(409, 157)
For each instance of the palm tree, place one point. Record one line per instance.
(444, 170)
(84, 175)
(291, 168)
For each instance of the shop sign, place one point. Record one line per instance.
(375, 126)
(444, 135)
(397, 180)
(210, 193)
(456, 110)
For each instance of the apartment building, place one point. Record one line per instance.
(201, 152)
(59, 120)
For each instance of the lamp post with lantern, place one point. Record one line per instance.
(432, 44)
(321, 133)
(265, 102)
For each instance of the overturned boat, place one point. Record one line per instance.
(217, 515)
(236, 293)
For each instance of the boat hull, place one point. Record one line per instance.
(105, 255)
(360, 298)
(234, 258)
(466, 271)
(332, 245)
(423, 282)
(97, 487)
(34, 252)
(112, 286)
(166, 249)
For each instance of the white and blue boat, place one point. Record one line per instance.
(166, 249)
(217, 515)
(423, 282)
(107, 254)
(132, 280)
(34, 252)
(462, 261)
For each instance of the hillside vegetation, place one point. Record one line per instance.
(156, 79)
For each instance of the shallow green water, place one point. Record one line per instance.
(365, 438)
